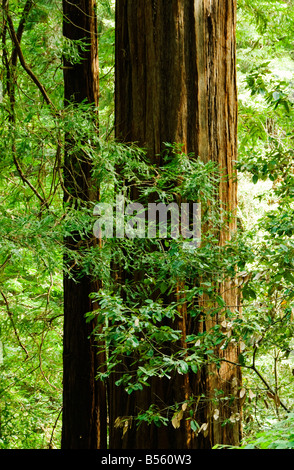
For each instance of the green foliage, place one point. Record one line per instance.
(265, 331)
(279, 436)
(140, 326)
(135, 320)
(31, 292)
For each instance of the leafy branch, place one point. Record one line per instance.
(13, 325)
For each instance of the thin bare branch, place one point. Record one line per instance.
(24, 64)
(13, 325)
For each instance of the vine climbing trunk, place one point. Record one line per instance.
(176, 83)
(84, 405)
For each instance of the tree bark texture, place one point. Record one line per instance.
(84, 401)
(176, 82)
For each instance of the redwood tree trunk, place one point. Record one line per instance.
(176, 82)
(84, 405)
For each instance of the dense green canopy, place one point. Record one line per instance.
(35, 219)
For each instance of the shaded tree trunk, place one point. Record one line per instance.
(84, 403)
(176, 82)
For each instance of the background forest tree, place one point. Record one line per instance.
(84, 398)
(34, 220)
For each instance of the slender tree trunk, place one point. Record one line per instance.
(176, 82)
(84, 403)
